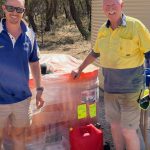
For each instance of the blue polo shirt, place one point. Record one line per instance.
(15, 56)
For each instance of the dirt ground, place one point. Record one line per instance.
(65, 40)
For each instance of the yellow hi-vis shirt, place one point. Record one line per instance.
(123, 47)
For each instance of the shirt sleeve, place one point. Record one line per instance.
(95, 55)
(144, 37)
(96, 48)
(34, 56)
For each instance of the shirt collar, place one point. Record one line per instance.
(122, 23)
(23, 25)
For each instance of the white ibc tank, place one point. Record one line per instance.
(63, 95)
(68, 103)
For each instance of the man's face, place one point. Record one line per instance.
(112, 9)
(14, 10)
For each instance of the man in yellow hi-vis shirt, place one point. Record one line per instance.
(122, 44)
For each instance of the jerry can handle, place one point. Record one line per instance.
(86, 130)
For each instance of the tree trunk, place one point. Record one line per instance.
(30, 16)
(81, 5)
(66, 10)
(55, 8)
(31, 21)
(77, 20)
(88, 7)
(49, 14)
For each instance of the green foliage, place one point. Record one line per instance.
(2, 2)
(1, 11)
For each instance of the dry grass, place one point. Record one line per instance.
(65, 40)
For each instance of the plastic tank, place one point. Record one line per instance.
(34, 138)
(41, 138)
(68, 103)
(66, 99)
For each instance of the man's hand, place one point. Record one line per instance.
(39, 99)
(88, 60)
(76, 73)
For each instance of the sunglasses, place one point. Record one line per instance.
(144, 102)
(12, 9)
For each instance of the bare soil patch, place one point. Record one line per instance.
(65, 40)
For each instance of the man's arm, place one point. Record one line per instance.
(36, 73)
(88, 60)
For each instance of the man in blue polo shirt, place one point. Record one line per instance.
(18, 50)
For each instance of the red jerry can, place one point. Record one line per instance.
(86, 138)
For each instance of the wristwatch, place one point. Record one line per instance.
(40, 89)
